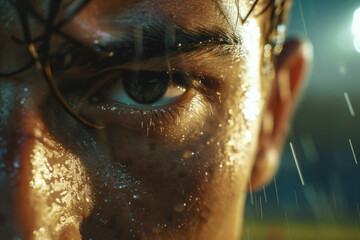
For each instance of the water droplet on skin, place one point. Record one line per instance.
(205, 213)
(248, 134)
(178, 208)
(16, 164)
(187, 154)
(157, 229)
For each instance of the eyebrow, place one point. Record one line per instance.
(143, 43)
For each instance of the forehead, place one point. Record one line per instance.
(187, 13)
(100, 17)
(223, 15)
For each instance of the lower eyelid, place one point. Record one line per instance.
(120, 116)
(117, 94)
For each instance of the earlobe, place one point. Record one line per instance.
(291, 68)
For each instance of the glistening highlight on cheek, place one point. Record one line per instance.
(56, 194)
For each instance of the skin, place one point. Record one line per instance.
(179, 177)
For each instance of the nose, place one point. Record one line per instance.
(17, 124)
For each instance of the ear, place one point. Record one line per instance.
(291, 67)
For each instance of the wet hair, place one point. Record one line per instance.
(39, 47)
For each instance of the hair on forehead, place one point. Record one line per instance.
(39, 47)
(275, 11)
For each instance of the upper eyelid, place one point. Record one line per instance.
(210, 84)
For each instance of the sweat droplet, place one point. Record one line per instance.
(205, 214)
(187, 154)
(179, 207)
(157, 229)
(16, 164)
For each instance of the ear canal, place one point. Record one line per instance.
(291, 68)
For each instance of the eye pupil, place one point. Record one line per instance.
(145, 87)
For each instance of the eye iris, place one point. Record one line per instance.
(145, 87)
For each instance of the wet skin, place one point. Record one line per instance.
(173, 170)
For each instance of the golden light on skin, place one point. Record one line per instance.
(244, 118)
(60, 193)
(268, 122)
(249, 97)
(242, 142)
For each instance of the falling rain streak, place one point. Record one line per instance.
(303, 18)
(297, 164)
(353, 151)
(265, 197)
(348, 102)
(276, 191)
(251, 193)
(296, 201)
(261, 209)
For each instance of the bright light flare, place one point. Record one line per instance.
(356, 29)
(356, 23)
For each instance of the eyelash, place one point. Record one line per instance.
(159, 112)
(92, 63)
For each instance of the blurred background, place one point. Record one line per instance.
(325, 136)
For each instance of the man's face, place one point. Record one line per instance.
(177, 86)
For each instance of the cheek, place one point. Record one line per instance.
(44, 187)
(58, 194)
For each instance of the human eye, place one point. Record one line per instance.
(142, 97)
(143, 89)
